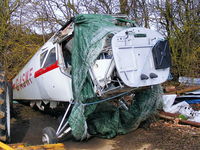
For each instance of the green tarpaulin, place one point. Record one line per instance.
(104, 119)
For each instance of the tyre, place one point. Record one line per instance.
(49, 135)
(5, 97)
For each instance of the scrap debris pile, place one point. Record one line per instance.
(172, 105)
(184, 104)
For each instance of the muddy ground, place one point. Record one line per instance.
(27, 125)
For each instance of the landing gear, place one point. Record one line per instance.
(5, 96)
(49, 135)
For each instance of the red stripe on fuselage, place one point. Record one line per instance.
(45, 70)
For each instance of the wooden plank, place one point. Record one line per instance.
(174, 115)
(171, 116)
(188, 89)
(195, 124)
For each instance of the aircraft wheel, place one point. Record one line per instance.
(49, 135)
(5, 96)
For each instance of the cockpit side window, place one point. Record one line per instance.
(42, 57)
(51, 58)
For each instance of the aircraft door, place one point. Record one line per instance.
(46, 75)
(53, 84)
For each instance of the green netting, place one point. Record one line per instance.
(104, 119)
(108, 121)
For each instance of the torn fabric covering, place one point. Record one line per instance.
(89, 34)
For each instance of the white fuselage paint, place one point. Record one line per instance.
(132, 56)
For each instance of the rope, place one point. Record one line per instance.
(103, 100)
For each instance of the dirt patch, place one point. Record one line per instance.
(160, 135)
(27, 125)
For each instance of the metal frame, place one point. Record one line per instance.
(60, 131)
(103, 90)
